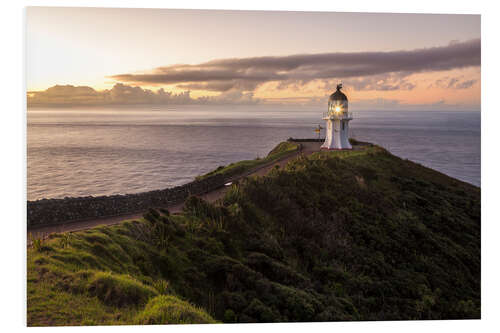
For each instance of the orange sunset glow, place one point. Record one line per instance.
(224, 57)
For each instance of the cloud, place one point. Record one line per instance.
(230, 97)
(383, 82)
(454, 83)
(387, 104)
(65, 94)
(246, 74)
(465, 84)
(378, 104)
(122, 94)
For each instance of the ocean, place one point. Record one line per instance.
(105, 151)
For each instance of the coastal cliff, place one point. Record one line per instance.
(337, 235)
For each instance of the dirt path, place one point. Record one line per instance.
(42, 231)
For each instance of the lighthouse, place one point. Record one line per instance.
(337, 122)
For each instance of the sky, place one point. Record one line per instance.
(106, 56)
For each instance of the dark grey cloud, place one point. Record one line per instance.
(247, 73)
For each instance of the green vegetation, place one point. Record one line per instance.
(237, 168)
(166, 309)
(358, 235)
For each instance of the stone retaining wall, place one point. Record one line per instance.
(56, 211)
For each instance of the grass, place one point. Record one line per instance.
(171, 310)
(103, 276)
(280, 151)
(338, 235)
(119, 290)
(50, 307)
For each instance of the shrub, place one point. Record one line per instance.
(65, 240)
(152, 215)
(230, 316)
(258, 310)
(165, 211)
(37, 244)
(162, 287)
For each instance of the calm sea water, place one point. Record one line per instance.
(80, 152)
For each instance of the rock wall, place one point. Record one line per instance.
(56, 211)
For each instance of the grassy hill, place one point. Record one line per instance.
(358, 235)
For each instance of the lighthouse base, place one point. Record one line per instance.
(324, 148)
(337, 134)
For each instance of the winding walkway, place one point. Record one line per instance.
(42, 231)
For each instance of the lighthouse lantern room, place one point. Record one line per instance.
(337, 122)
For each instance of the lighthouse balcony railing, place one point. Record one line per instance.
(338, 115)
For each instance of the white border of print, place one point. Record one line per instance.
(13, 166)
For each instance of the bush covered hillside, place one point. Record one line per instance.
(357, 235)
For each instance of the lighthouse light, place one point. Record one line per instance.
(337, 109)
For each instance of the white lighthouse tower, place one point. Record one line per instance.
(337, 122)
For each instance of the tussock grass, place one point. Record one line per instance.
(162, 287)
(119, 290)
(166, 309)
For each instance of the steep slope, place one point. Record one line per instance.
(357, 235)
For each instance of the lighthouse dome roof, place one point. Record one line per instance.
(338, 95)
